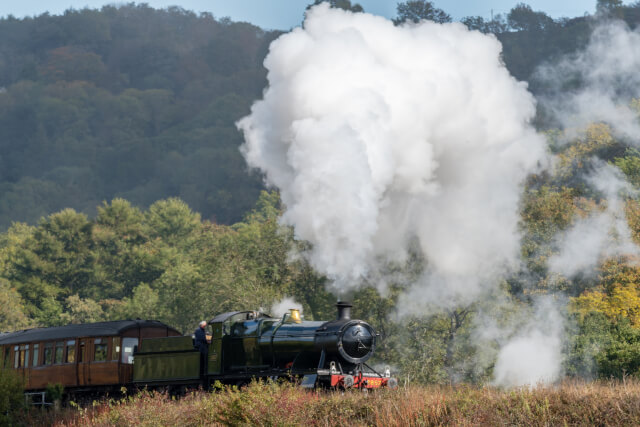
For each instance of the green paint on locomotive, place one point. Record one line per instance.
(243, 342)
(166, 359)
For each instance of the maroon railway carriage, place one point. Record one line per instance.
(85, 356)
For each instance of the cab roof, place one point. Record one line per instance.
(226, 316)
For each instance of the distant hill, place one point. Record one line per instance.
(128, 102)
(139, 103)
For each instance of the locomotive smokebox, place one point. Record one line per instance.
(344, 310)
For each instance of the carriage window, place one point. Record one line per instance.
(129, 346)
(7, 357)
(36, 353)
(71, 351)
(59, 352)
(16, 356)
(115, 348)
(81, 352)
(22, 356)
(48, 353)
(100, 350)
(24, 359)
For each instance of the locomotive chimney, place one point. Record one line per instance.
(344, 310)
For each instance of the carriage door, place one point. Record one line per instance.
(83, 362)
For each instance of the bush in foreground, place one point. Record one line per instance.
(284, 405)
(11, 395)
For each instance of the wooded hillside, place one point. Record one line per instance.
(123, 192)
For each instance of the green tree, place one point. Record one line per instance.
(81, 310)
(12, 315)
(417, 10)
(496, 25)
(11, 396)
(172, 221)
(523, 18)
(340, 4)
(608, 6)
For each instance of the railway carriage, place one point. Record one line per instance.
(93, 356)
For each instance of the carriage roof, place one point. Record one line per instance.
(80, 330)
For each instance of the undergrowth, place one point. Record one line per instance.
(268, 404)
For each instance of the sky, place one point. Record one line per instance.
(284, 14)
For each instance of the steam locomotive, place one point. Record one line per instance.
(242, 345)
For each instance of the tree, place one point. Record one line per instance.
(523, 18)
(497, 25)
(82, 310)
(172, 220)
(417, 10)
(608, 6)
(630, 165)
(11, 395)
(12, 315)
(340, 4)
(617, 296)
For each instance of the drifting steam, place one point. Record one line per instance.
(278, 309)
(533, 353)
(604, 234)
(378, 135)
(606, 73)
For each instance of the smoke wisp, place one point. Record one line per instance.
(597, 83)
(279, 308)
(603, 234)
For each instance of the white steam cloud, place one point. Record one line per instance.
(608, 78)
(378, 135)
(533, 355)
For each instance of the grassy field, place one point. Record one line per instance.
(598, 403)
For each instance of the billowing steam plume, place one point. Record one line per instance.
(378, 136)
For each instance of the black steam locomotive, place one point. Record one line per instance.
(97, 358)
(246, 345)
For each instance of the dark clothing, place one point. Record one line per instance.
(201, 340)
(201, 345)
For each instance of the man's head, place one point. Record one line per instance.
(203, 324)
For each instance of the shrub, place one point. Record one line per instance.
(54, 392)
(11, 395)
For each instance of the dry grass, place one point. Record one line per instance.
(283, 405)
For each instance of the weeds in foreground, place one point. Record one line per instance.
(268, 404)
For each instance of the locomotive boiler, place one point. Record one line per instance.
(249, 344)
